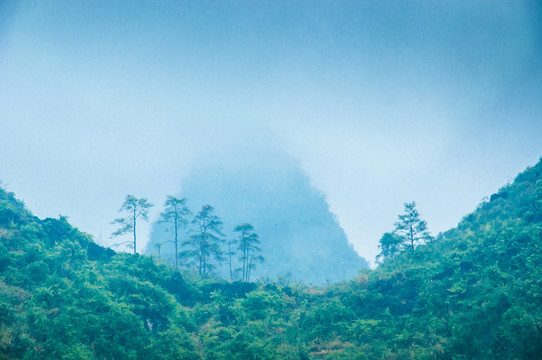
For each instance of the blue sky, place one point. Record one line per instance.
(438, 102)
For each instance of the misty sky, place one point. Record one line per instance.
(381, 102)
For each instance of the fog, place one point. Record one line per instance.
(261, 185)
(381, 104)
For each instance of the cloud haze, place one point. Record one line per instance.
(382, 104)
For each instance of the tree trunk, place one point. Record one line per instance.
(135, 249)
(176, 251)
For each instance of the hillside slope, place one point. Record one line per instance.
(473, 293)
(64, 297)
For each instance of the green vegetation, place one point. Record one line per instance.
(409, 231)
(475, 292)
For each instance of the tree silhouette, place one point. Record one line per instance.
(390, 245)
(250, 251)
(176, 214)
(411, 228)
(205, 240)
(135, 208)
(231, 253)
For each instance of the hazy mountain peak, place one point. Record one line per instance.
(267, 188)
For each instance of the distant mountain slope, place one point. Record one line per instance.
(299, 235)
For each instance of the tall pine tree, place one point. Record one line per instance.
(176, 214)
(248, 243)
(411, 228)
(205, 242)
(134, 208)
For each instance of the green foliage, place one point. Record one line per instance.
(390, 245)
(473, 293)
(409, 232)
(410, 228)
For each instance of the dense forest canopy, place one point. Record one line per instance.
(474, 292)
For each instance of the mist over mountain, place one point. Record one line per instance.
(300, 236)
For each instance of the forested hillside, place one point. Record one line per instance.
(474, 292)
